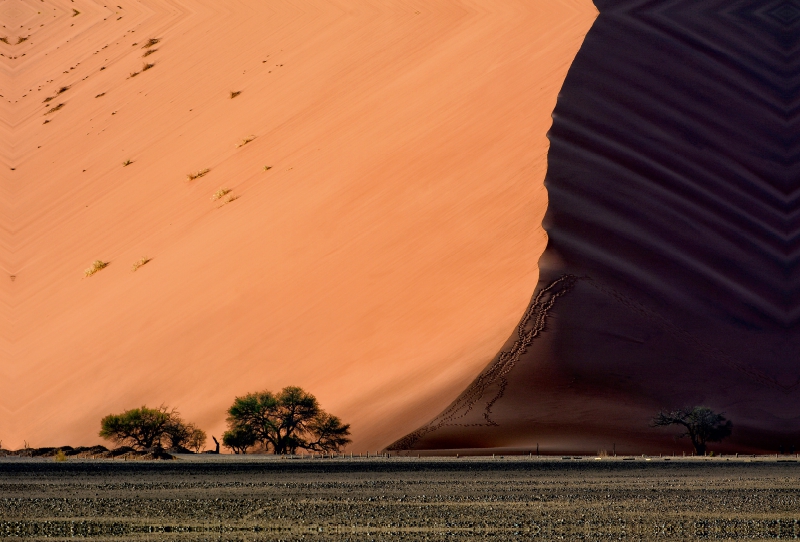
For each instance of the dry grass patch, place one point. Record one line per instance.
(21, 39)
(220, 193)
(149, 52)
(101, 94)
(235, 93)
(150, 43)
(245, 141)
(230, 198)
(137, 264)
(197, 174)
(4, 39)
(147, 67)
(54, 109)
(97, 265)
(75, 12)
(267, 168)
(126, 163)
(133, 74)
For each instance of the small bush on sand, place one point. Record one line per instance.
(60, 456)
(126, 163)
(235, 93)
(245, 141)
(150, 43)
(147, 67)
(149, 52)
(198, 174)
(97, 265)
(137, 264)
(54, 109)
(219, 193)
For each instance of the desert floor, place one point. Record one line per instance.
(258, 498)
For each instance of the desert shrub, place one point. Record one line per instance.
(245, 141)
(219, 193)
(138, 263)
(198, 174)
(97, 265)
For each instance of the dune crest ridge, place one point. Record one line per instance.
(343, 195)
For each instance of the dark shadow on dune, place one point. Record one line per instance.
(672, 272)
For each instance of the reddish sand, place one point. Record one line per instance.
(381, 261)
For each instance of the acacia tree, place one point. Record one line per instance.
(288, 421)
(147, 427)
(238, 439)
(184, 435)
(139, 427)
(701, 425)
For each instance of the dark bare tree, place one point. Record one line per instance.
(701, 425)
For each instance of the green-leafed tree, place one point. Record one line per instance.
(148, 427)
(139, 427)
(238, 439)
(181, 434)
(701, 425)
(287, 421)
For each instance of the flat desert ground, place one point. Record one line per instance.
(501, 498)
(379, 241)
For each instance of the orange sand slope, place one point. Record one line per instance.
(379, 263)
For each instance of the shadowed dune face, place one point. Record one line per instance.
(671, 272)
(379, 260)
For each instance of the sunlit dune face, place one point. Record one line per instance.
(345, 197)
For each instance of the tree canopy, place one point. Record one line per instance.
(287, 421)
(148, 427)
(238, 439)
(701, 425)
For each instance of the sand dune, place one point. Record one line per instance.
(671, 274)
(379, 262)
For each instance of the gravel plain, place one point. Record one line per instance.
(508, 498)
